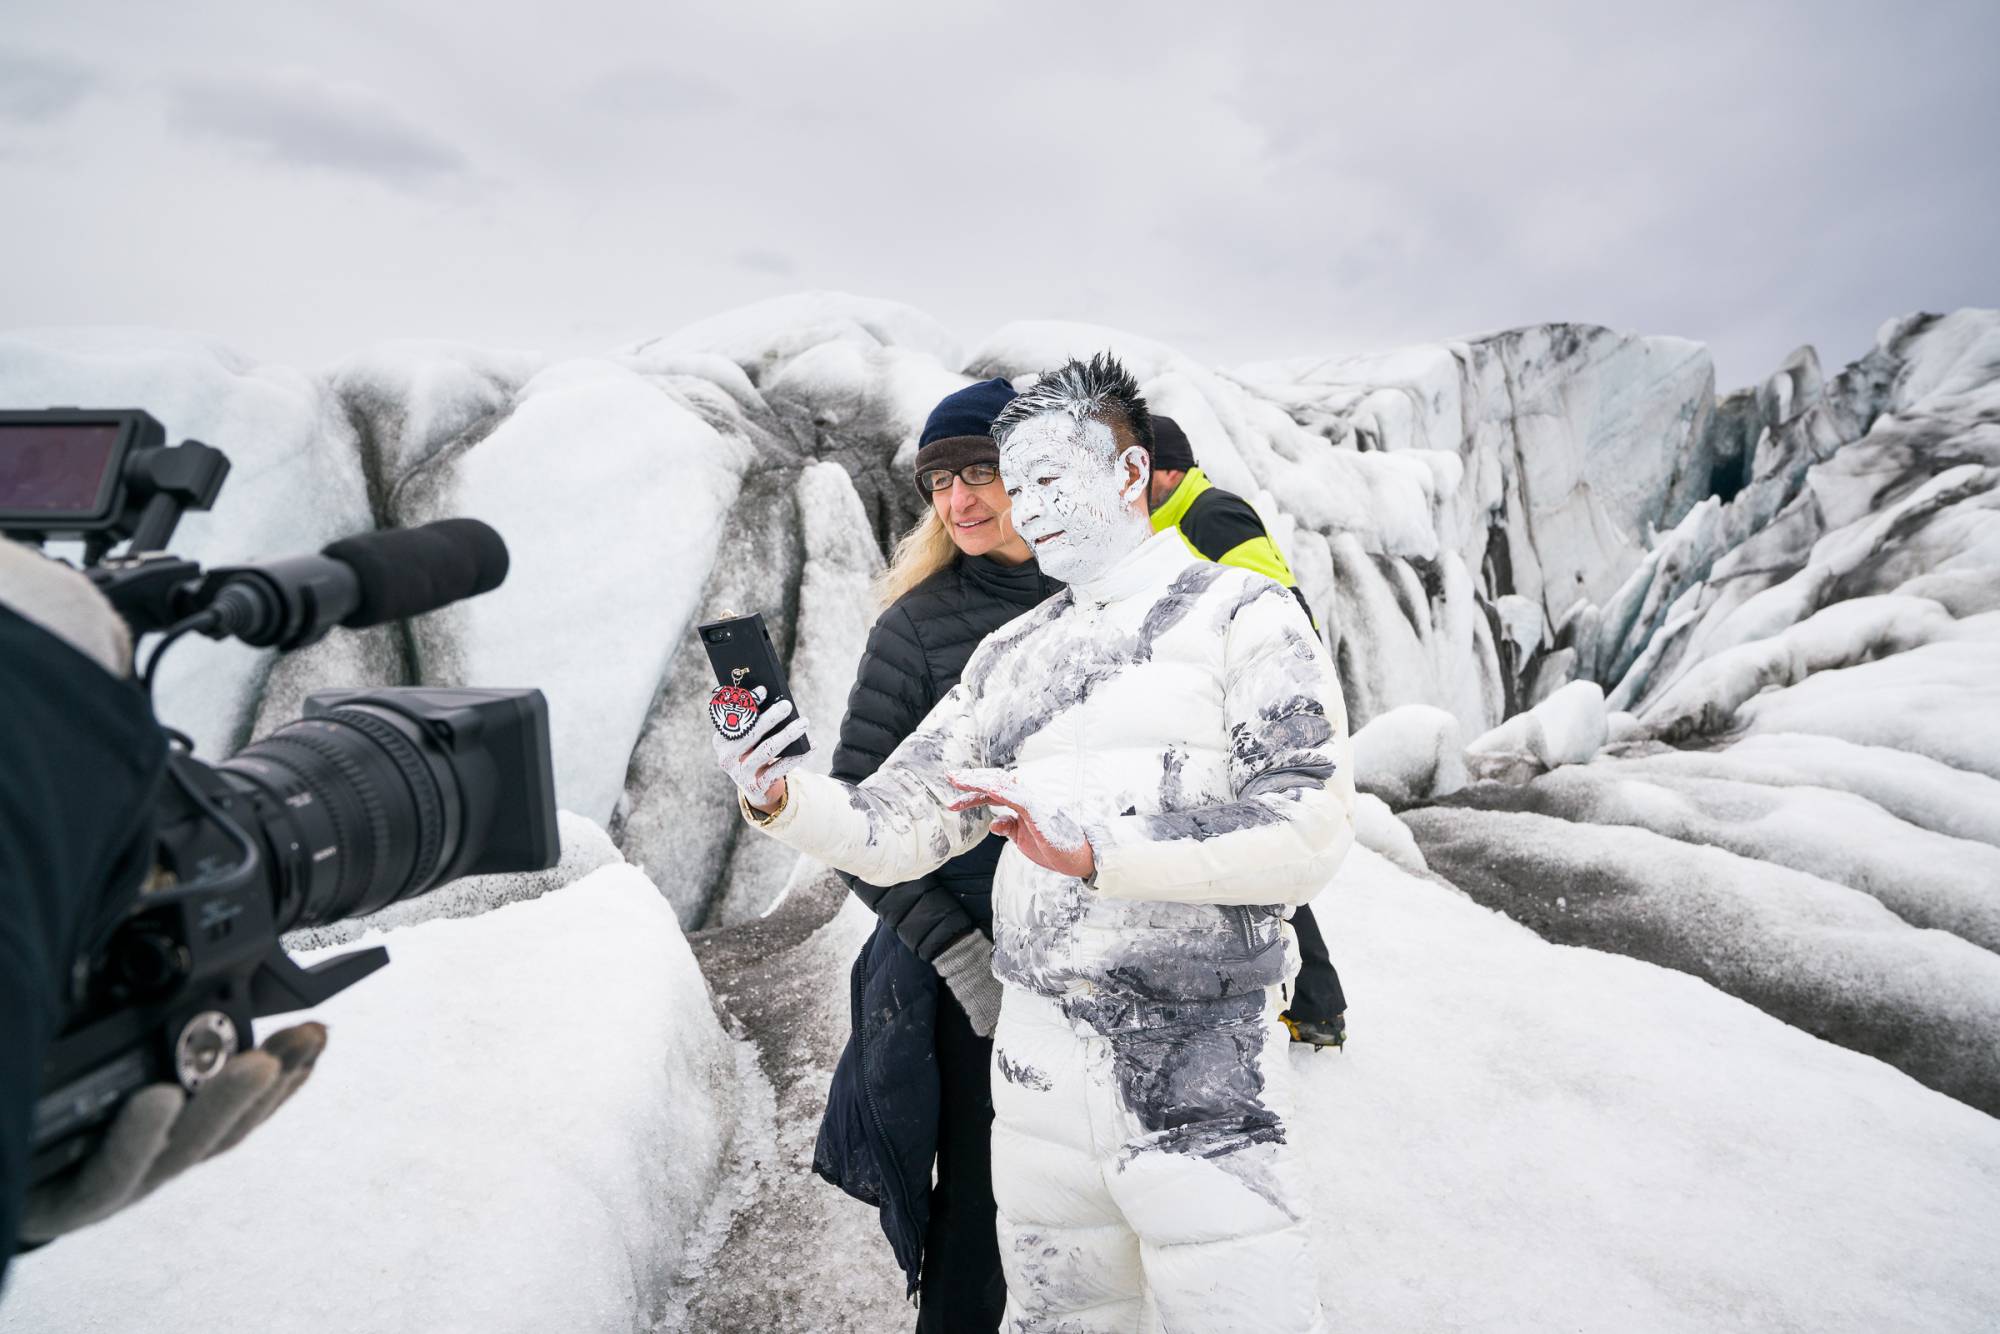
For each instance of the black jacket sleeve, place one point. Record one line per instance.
(893, 692)
(80, 765)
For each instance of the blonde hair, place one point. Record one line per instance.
(919, 554)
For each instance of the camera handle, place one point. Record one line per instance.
(280, 985)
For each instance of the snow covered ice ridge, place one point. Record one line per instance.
(1705, 680)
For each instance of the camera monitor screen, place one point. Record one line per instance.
(57, 470)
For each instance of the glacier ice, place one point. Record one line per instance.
(611, 497)
(840, 562)
(1705, 700)
(1409, 754)
(1728, 663)
(1566, 728)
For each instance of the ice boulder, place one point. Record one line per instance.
(611, 496)
(1409, 755)
(677, 818)
(1377, 829)
(1566, 728)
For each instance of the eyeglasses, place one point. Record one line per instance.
(975, 474)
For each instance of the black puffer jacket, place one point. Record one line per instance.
(879, 1136)
(80, 765)
(915, 653)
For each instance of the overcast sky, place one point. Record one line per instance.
(1240, 181)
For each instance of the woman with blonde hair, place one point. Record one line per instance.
(912, 1085)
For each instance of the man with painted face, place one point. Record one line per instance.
(1165, 748)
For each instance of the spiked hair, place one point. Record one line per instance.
(1100, 389)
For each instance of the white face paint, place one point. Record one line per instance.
(1071, 502)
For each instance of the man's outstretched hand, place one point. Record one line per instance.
(1045, 835)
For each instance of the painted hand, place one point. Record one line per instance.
(752, 760)
(1045, 835)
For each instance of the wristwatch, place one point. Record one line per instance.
(761, 818)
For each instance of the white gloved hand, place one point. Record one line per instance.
(160, 1132)
(752, 760)
(66, 604)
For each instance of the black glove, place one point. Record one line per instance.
(160, 1132)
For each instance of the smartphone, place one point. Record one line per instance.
(741, 651)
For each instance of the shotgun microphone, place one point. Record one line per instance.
(358, 581)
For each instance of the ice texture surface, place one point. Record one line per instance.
(611, 497)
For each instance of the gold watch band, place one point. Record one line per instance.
(760, 818)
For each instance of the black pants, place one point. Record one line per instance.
(1317, 993)
(961, 1289)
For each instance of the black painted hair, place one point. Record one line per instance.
(1101, 389)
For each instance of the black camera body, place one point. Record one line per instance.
(372, 797)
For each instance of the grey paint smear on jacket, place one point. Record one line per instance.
(1035, 692)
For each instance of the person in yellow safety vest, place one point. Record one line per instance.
(1221, 526)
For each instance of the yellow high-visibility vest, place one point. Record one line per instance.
(1222, 526)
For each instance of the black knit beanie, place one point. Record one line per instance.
(1171, 450)
(955, 435)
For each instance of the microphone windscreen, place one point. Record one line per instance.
(409, 571)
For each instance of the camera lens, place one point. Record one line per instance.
(362, 808)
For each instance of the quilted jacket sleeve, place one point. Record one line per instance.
(893, 690)
(894, 825)
(1291, 819)
(892, 693)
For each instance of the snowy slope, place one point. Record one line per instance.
(522, 1123)
(1520, 1136)
(517, 1126)
(1524, 1136)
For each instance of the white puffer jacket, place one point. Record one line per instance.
(1187, 717)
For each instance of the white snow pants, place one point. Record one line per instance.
(1144, 1181)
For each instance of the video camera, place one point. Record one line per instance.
(373, 796)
